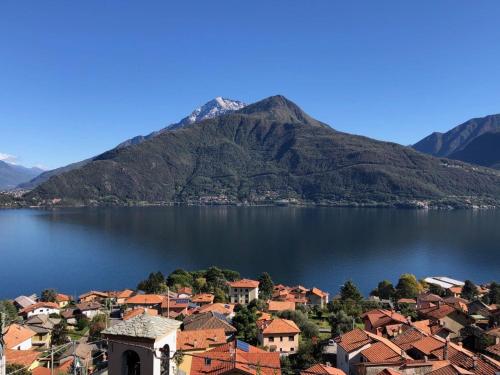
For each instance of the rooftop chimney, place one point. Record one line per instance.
(474, 363)
(445, 349)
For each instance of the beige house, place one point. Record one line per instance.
(279, 335)
(243, 291)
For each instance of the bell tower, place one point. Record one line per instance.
(143, 345)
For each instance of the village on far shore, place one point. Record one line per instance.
(216, 322)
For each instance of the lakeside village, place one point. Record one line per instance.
(215, 322)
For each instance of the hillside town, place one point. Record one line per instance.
(216, 322)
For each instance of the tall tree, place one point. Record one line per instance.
(341, 323)
(245, 321)
(384, 290)
(48, 295)
(494, 293)
(266, 286)
(10, 311)
(408, 286)
(469, 290)
(155, 283)
(59, 333)
(349, 291)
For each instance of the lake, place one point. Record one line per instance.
(74, 250)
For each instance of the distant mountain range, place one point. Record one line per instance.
(12, 175)
(268, 152)
(476, 141)
(211, 109)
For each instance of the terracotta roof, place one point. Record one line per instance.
(463, 358)
(201, 339)
(21, 357)
(407, 338)
(321, 369)
(185, 290)
(17, 334)
(380, 352)
(381, 317)
(423, 325)
(132, 313)
(354, 339)
(94, 292)
(280, 305)
(455, 289)
(203, 298)
(428, 297)
(406, 300)
(389, 371)
(247, 359)
(145, 299)
(208, 320)
(221, 308)
(450, 370)
(264, 316)
(494, 332)
(174, 304)
(63, 298)
(42, 371)
(277, 326)
(37, 305)
(244, 283)
(428, 344)
(125, 293)
(494, 349)
(437, 312)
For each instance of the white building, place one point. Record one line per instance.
(17, 337)
(39, 308)
(142, 345)
(243, 291)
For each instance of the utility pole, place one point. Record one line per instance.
(168, 302)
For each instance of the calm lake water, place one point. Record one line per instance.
(75, 250)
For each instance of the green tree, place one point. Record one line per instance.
(48, 295)
(96, 326)
(494, 293)
(408, 286)
(200, 285)
(180, 278)
(59, 333)
(308, 328)
(384, 290)
(469, 290)
(10, 311)
(245, 321)
(231, 275)
(341, 323)
(350, 291)
(220, 295)
(215, 278)
(266, 286)
(155, 283)
(437, 290)
(82, 323)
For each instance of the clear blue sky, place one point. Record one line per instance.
(79, 77)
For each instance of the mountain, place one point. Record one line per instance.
(483, 150)
(269, 152)
(211, 109)
(12, 175)
(455, 140)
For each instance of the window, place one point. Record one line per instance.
(208, 361)
(281, 349)
(271, 339)
(290, 338)
(281, 338)
(291, 349)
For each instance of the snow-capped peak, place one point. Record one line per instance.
(213, 108)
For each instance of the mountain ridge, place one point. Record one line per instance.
(268, 152)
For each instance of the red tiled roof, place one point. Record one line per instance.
(494, 349)
(185, 290)
(42, 371)
(354, 339)
(200, 339)
(437, 312)
(94, 292)
(203, 298)
(407, 338)
(321, 369)
(132, 313)
(450, 370)
(280, 305)
(318, 292)
(21, 357)
(465, 359)
(230, 359)
(17, 334)
(277, 326)
(244, 283)
(51, 305)
(380, 352)
(381, 317)
(428, 344)
(221, 308)
(406, 300)
(63, 298)
(145, 299)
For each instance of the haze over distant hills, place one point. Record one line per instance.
(12, 175)
(475, 141)
(267, 152)
(211, 109)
